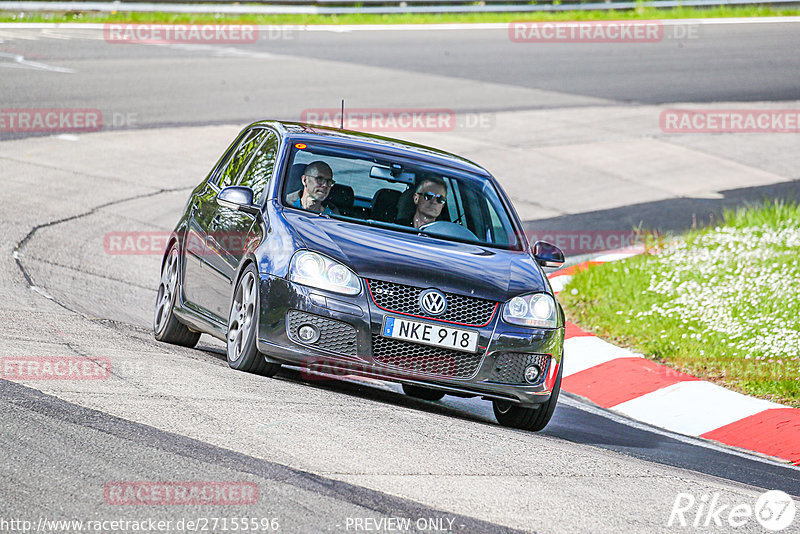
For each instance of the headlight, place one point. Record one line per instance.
(315, 270)
(537, 310)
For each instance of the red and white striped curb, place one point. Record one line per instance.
(625, 382)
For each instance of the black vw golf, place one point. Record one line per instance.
(335, 250)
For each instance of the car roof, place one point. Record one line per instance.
(309, 132)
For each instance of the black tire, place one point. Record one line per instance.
(533, 419)
(420, 392)
(242, 351)
(167, 327)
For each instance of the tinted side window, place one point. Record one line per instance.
(240, 158)
(259, 172)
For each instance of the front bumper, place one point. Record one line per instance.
(350, 342)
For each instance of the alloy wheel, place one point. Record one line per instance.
(241, 318)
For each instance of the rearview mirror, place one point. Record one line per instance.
(392, 175)
(547, 255)
(238, 198)
(381, 172)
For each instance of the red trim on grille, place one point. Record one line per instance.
(496, 304)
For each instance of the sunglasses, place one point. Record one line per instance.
(440, 199)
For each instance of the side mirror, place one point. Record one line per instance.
(238, 198)
(547, 255)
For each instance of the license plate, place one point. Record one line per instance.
(430, 334)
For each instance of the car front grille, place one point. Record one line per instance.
(334, 336)
(404, 299)
(424, 359)
(510, 367)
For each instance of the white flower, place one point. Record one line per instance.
(739, 283)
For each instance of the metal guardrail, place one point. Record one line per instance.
(325, 7)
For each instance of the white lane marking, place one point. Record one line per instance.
(71, 34)
(50, 32)
(215, 50)
(584, 352)
(505, 25)
(19, 62)
(67, 137)
(616, 255)
(219, 51)
(699, 442)
(415, 27)
(558, 282)
(18, 36)
(693, 407)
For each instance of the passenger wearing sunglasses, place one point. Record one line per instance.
(317, 181)
(430, 198)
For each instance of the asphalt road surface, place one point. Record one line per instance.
(288, 71)
(333, 455)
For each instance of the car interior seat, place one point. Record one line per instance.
(342, 197)
(384, 205)
(294, 182)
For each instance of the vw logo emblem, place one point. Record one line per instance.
(433, 302)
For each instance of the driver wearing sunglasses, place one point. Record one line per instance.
(430, 198)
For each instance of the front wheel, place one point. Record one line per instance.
(242, 352)
(166, 326)
(533, 419)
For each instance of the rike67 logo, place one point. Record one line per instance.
(774, 510)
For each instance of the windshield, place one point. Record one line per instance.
(402, 195)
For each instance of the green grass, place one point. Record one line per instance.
(720, 303)
(642, 13)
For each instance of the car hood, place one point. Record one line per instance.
(384, 254)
